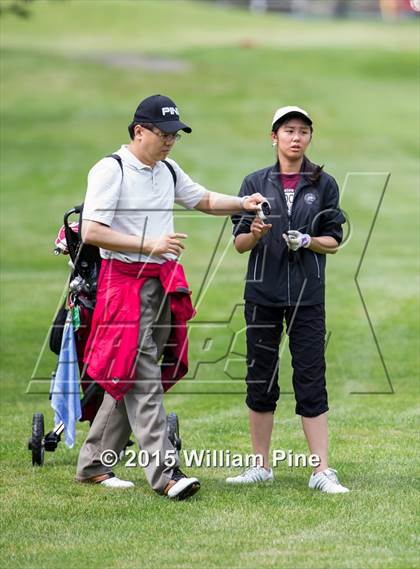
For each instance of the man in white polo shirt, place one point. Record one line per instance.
(128, 214)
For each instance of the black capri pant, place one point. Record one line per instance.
(306, 331)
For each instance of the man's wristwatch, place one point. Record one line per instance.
(241, 201)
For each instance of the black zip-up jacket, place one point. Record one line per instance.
(275, 275)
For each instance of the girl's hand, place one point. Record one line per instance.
(259, 228)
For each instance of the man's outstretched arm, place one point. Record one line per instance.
(221, 204)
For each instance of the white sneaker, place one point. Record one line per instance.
(116, 482)
(252, 475)
(327, 481)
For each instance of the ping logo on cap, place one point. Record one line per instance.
(170, 110)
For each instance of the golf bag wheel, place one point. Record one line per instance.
(173, 430)
(36, 442)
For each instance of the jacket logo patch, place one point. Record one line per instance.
(310, 198)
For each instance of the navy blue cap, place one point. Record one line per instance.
(160, 111)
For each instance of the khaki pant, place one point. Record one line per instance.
(141, 410)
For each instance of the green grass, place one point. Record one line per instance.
(61, 110)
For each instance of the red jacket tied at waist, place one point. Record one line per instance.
(112, 346)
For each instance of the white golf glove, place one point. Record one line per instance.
(295, 239)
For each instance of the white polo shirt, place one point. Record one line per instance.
(140, 202)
